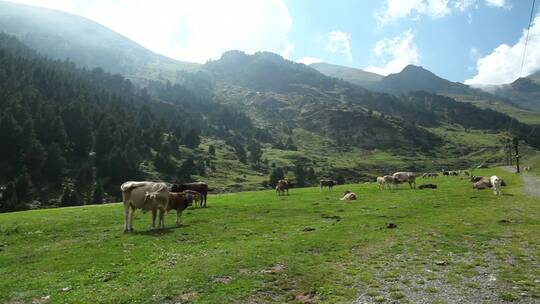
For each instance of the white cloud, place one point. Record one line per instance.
(396, 9)
(503, 64)
(463, 5)
(339, 42)
(309, 60)
(393, 10)
(191, 30)
(395, 54)
(498, 3)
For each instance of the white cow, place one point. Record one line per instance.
(496, 184)
(148, 196)
(401, 177)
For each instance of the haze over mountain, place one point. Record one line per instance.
(352, 75)
(61, 35)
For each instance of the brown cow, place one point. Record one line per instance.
(179, 201)
(200, 187)
(327, 183)
(282, 187)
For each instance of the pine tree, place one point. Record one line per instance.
(192, 140)
(212, 150)
(54, 163)
(65, 199)
(255, 152)
(98, 193)
(300, 175)
(276, 174)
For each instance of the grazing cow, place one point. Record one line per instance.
(200, 187)
(282, 187)
(496, 184)
(466, 173)
(146, 196)
(446, 173)
(327, 183)
(348, 196)
(527, 169)
(401, 177)
(427, 186)
(380, 182)
(389, 181)
(429, 174)
(179, 201)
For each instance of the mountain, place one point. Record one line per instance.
(414, 78)
(352, 75)
(60, 35)
(524, 92)
(277, 92)
(535, 76)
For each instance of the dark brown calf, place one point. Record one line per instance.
(179, 201)
(200, 187)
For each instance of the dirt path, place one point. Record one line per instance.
(531, 182)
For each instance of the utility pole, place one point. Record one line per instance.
(516, 148)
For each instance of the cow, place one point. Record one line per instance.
(427, 186)
(179, 201)
(327, 183)
(200, 187)
(527, 169)
(196, 196)
(282, 187)
(148, 196)
(482, 183)
(380, 182)
(348, 195)
(496, 184)
(401, 177)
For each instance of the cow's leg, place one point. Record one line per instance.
(161, 218)
(178, 216)
(126, 218)
(154, 212)
(205, 198)
(130, 217)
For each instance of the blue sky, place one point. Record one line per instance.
(472, 41)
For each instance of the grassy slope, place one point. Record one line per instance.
(525, 116)
(252, 247)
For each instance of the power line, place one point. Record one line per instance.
(526, 40)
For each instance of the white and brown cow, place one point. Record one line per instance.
(148, 196)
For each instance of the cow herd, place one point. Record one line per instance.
(156, 196)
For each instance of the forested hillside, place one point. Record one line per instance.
(84, 132)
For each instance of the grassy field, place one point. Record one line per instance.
(450, 244)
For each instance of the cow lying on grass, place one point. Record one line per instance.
(148, 196)
(427, 186)
(493, 182)
(348, 195)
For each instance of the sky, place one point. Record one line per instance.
(471, 41)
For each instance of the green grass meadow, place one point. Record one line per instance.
(308, 247)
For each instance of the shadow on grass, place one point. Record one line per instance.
(158, 232)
